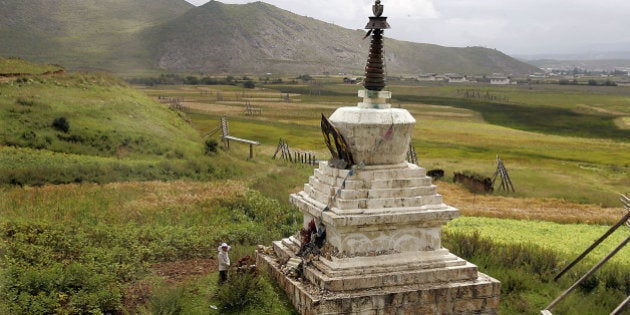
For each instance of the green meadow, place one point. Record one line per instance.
(119, 212)
(452, 137)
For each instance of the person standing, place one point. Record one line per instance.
(224, 262)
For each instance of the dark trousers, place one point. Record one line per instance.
(222, 276)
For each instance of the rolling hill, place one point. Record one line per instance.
(62, 128)
(82, 34)
(128, 36)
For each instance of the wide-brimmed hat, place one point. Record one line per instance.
(224, 245)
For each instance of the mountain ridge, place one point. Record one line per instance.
(257, 37)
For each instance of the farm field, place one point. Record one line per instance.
(135, 229)
(451, 138)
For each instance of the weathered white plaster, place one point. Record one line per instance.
(366, 132)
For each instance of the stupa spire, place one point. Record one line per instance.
(375, 67)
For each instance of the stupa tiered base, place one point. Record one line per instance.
(477, 295)
(383, 252)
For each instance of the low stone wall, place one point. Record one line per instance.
(480, 296)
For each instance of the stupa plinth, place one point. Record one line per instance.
(371, 237)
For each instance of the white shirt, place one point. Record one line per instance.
(224, 260)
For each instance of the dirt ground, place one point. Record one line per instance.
(174, 273)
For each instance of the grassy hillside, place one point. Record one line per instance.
(10, 67)
(67, 128)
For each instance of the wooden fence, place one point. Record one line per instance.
(295, 156)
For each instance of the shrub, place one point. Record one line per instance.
(249, 84)
(589, 284)
(242, 290)
(305, 78)
(610, 83)
(616, 278)
(514, 281)
(211, 146)
(61, 124)
(191, 80)
(167, 301)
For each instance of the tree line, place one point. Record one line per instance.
(245, 81)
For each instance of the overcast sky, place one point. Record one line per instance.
(511, 26)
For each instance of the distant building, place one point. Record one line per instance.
(499, 80)
(538, 75)
(347, 80)
(427, 77)
(455, 78)
(623, 83)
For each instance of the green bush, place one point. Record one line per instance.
(242, 290)
(72, 289)
(589, 284)
(249, 84)
(269, 219)
(167, 301)
(61, 124)
(74, 269)
(211, 146)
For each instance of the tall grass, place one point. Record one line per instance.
(101, 237)
(29, 167)
(107, 235)
(550, 235)
(526, 271)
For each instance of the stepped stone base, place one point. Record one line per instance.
(383, 252)
(479, 295)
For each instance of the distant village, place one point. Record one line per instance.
(576, 76)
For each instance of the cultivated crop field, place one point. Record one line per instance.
(134, 227)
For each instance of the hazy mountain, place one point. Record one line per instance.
(83, 33)
(133, 36)
(259, 37)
